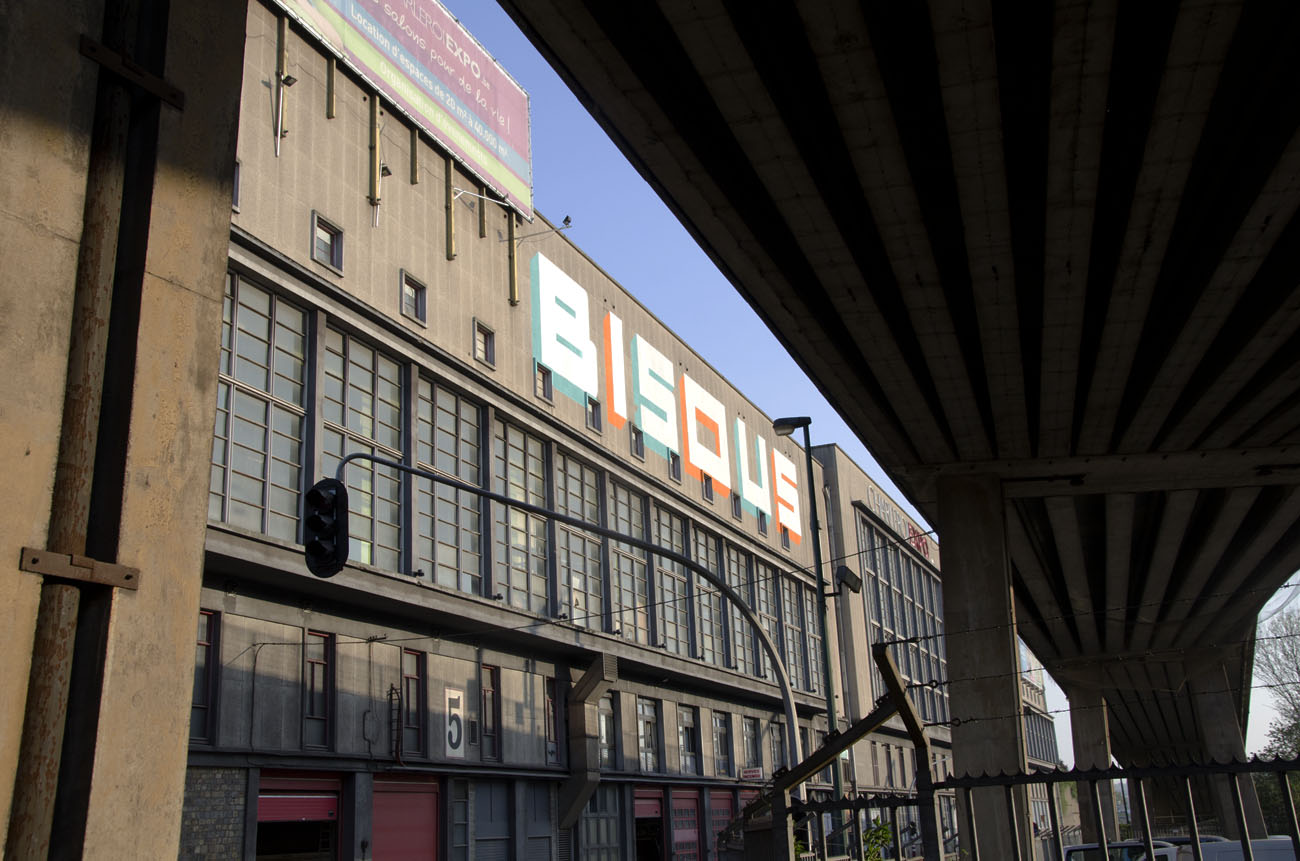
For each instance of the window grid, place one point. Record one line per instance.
(413, 701)
(647, 733)
(765, 605)
(448, 522)
(792, 626)
(812, 628)
(777, 729)
(520, 562)
(670, 580)
(490, 713)
(413, 297)
(753, 733)
(318, 679)
(629, 579)
(608, 730)
(577, 494)
(903, 598)
(204, 678)
(257, 449)
(552, 721)
(543, 382)
(722, 744)
(485, 347)
(362, 405)
(742, 634)
(688, 738)
(708, 601)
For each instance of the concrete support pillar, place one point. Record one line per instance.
(1221, 740)
(1090, 728)
(983, 658)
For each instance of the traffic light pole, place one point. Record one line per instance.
(784, 850)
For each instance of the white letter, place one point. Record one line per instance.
(562, 331)
(615, 375)
(652, 393)
(785, 481)
(702, 411)
(754, 491)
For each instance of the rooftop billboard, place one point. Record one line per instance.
(421, 59)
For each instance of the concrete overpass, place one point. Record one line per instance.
(1044, 258)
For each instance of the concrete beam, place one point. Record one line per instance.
(983, 656)
(584, 737)
(1222, 741)
(1090, 729)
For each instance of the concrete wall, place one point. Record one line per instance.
(137, 747)
(45, 126)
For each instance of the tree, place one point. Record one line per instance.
(1277, 663)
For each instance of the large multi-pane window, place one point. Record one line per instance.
(577, 494)
(362, 403)
(903, 599)
(628, 579)
(792, 629)
(448, 523)
(257, 449)
(670, 581)
(647, 733)
(519, 472)
(742, 635)
(813, 630)
(765, 605)
(318, 688)
(708, 601)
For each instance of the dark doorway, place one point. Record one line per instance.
(650, 839)
(296, 841)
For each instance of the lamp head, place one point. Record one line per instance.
(790, 424)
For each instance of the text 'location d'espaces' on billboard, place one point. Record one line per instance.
(421, 59)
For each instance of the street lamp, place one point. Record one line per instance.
(785, 427)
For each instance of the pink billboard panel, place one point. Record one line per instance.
(421, 59)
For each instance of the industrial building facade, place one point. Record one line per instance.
(481, 682)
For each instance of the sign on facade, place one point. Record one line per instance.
(418, 55)
(455, 739)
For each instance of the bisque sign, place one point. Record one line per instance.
(675, 413)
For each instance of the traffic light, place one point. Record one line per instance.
(325, 527)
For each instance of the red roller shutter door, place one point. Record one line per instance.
(405, 821)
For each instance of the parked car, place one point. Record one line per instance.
(1265, 849)
(1124, 850)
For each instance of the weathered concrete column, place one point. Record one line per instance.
(1221, 740)
(983, 658)
(1090, 729)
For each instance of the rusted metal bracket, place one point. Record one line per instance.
(130, 71)
(72, 567)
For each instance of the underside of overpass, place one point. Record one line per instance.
(1054, 244)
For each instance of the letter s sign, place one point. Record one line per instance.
(455, 724)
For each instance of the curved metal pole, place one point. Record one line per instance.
(778, 668)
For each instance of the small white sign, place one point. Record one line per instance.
(751, 774)
(455, 738)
